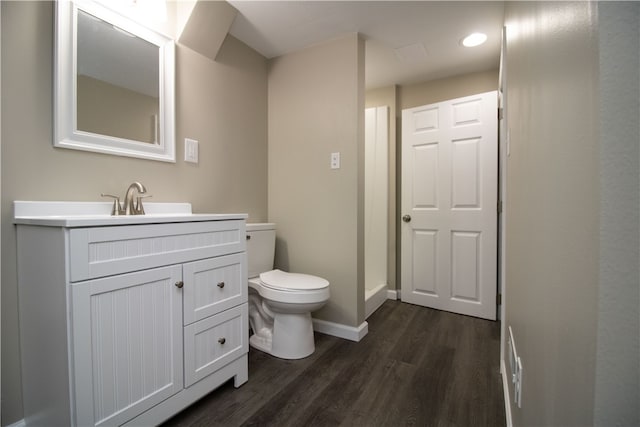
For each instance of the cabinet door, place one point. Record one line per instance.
(213, 285)
(127, 344)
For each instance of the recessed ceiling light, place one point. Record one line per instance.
(475, 39)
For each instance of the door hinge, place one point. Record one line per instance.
(499, 299)
(500, 113)
(499, 206)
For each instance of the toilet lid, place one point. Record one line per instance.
(278, 279)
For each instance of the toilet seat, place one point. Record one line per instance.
(292, 282)
(290, 288)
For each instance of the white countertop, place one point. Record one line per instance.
(92, 214)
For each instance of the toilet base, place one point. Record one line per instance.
(292, 337)
(260, 343)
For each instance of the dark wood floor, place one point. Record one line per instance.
(416, 366)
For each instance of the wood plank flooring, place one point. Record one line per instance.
(416, 366)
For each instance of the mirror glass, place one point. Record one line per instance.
(116, 95)
(114, 84)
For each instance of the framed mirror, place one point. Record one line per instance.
(113, 84)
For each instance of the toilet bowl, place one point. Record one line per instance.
(280, 303)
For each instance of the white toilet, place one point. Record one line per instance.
(280, 303)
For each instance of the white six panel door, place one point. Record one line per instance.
(449, 205)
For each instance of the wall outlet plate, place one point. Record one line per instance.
(518, 385)
(335, 160)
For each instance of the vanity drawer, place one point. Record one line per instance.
(104, 251)
(213, 285)
(215, 341)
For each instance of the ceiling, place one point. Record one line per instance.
(405, 41)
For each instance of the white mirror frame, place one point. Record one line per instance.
(66, 133)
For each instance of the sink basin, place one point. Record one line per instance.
(91, 214)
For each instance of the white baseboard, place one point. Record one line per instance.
(20, 423)
(339, 330)
(507, 398)
(393, 294)
(374, 299)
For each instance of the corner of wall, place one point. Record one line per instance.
(318, 210)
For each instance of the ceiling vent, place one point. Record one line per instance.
(411, 54)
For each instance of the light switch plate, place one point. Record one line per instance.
(190, 150)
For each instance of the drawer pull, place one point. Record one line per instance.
(221, 285)
(179, 284)
(222, 340)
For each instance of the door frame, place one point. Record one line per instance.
(503, 150)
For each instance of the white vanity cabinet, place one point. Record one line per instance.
(129, 324)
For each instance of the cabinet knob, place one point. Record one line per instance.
(221, 285)
(222, 340)
(179, 284)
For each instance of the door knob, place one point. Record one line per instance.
(406, 218)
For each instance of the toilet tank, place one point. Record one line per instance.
(261, 247)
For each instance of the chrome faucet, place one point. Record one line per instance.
(131, 208)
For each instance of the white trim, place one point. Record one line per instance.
(20, 423)
(505, 389)
(341, 331)
(373, 299)
(503, 136)
(393, 294)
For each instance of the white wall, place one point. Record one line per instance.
(386, 96)
(376, 196)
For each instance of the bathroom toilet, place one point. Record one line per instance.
(280, 303)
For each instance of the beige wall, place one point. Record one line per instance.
(386, 96)
(222, 104)
(553, 203)
(433, 91)
(112, 110)
(573, 210)
(316, 107)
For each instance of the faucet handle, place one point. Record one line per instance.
(138, 208)
(117, 208)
